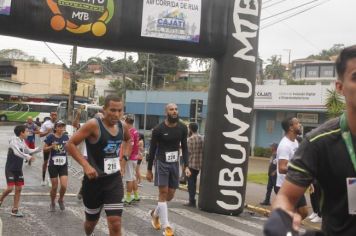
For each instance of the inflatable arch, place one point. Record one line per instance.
(225, 30)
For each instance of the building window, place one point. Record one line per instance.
(326, 71)
(312, 71)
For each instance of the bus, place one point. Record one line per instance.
(18, 111)
(88, 112)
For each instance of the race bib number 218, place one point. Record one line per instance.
(111, 165)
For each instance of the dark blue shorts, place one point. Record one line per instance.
(167, 174)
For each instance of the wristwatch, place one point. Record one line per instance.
(125, 158)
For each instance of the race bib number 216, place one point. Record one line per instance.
(172, 156)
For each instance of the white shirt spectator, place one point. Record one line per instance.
(285, 151)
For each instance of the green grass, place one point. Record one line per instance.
(258, 178)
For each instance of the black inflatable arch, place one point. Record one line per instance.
(228, 34)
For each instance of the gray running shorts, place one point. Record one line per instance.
(167, 174)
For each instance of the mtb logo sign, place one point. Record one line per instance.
(81, 16)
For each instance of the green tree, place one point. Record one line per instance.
(335, 105)
(16, 54)
(163, 65)
(128, 66)
(275, 70)
(183, 64)
(204, 63)
(119, 87)
(327, 54)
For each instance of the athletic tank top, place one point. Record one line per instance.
(103, 155)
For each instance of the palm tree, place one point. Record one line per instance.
(334, 103)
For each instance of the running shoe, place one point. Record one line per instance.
(16, 213)
(127, 202)
(140, 185)
(52, 207)
(312, 216)
(168, 231)
(61, 205)
(316, 219)
(43, 183)
(156, 224)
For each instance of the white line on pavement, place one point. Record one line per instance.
(212, 223)
(246, 222)
(143, 215)
(102, 224)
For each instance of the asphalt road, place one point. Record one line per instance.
(136, 221)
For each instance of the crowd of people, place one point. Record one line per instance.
(324, 161)
(110, 150)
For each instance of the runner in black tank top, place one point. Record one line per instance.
(102, 185)
(103, 153)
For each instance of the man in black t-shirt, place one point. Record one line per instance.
(328, 155)
(102, 184)
(166, 139)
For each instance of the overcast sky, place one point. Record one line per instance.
(306, 33)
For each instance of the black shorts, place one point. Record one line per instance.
(46, 156)
(167, 174)
(14, 178)
(55, 171)
(103, 192)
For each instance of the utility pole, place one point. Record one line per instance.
(289, 52)
(72, 86)
(146, 85)
(289, 65)
(152, 70)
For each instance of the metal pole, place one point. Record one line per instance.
(71, 83)
(146, 84)
(196, 110)
(153, 67)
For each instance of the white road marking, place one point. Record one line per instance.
(143, 215)
(32, 223)
(102, 224)
(212, 223)
(246, 222)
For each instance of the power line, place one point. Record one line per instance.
(54, 53)
(295, 14)
(291, 9)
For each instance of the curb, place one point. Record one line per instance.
(260, 210)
